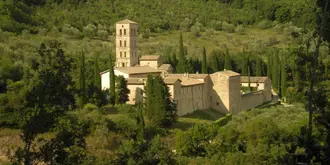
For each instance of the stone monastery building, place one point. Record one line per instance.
(220, 91)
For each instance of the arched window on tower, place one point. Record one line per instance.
(121, 53)
(121, 32)
(120, 43)
(124, 31)
(124, 43)
(125, 54)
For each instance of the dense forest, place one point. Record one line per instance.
(53, 108)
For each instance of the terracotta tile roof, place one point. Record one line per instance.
(137, 70)
(165, 67)
(228, 73)
(141, 81)
(135, 81)
(192, 76)
(253, 79)
(126, 21)
(170, 81)
(149, 58)
(190, 82)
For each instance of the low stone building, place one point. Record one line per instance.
(220, 91)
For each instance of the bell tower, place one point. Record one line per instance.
(126, 43)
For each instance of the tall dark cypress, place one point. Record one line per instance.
(97, 77)
(149, 102)
(204, 63)
(283, 78)
(244, 65)
(112, 80)
(82, 85)
(140, 122)
(181, 67)
(269, 66)
(274, 72)
(258, 66)
(228, 65)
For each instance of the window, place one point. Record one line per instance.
(125, 54)
(218, 103)
(131, 31)
(124, 43)
(121, 32)
(121, 54)
(124, 31)
(120, 43)
(123, 64)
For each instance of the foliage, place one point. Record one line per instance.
(160, 109)
(112, 82)
(121, 90)
(154, 152)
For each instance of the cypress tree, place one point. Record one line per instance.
(149, 103)
(181, 67)
(214, 62)
(121, 90)
(274, 72)
(269, 66)
(97, 78)
(228, 65)
(161, 111)
(326, 72)
(258, 66)
(112, 79)
(204, 63)
(283, 78)
(140, 122)
(82, 85)
(249, 80)
(244, 66)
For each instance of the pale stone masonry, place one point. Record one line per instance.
(220, 91)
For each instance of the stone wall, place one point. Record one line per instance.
(252, 100)
(135, 93)
(189, 99)
(153, 64)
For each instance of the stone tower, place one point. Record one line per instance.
(126, 43)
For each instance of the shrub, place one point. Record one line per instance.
(42, 31)
(294, 31)
(90, 107)
(265, 24)
(146, 33)
(89, 31)
(209, 32)
(230, 28)
(278, 28)
(102, 34)
(126, 126)
(240, 29)
(195, 31)
(126, 108)
(217, 25)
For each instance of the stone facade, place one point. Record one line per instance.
(220, 91)
(126, 44)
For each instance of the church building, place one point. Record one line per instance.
(220, 91)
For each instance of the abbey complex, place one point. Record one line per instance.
(221, 91)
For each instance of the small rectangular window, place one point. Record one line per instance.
(120, 43)
(124, 43)
(121, 54)
(125, 54)
(121, 32)
(124, 31)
